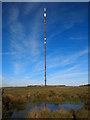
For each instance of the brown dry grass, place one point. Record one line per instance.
(17, 99)
(35, 113)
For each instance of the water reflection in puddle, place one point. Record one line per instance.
(52, 107)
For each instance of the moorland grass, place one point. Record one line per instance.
(52, 94)
(62, 113)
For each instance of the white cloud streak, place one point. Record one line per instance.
(26, 80)
(74, 57)
(78, 38)
(62, 60)
(19, 68)
(71, 76)
(25, 47)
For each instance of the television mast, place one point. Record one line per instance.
(45, 40)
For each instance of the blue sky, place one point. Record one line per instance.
(23, 43)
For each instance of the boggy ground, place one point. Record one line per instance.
(15, 97)
(62, 113)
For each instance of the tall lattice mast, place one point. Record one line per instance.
(45, 40)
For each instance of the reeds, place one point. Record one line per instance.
(35, 113)
(61, 113)
(20, 99)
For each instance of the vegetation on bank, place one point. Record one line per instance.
(9, 102)
(16, 97)
(50, 93)
(62, 113)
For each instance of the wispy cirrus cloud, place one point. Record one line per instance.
(62, 62)
(23, 81)
(71, 71)
(19, 68)
(70, 76)
(25, 44)
(20, 42)
(7, 53)
(78, 38)
(76, 56)
(26, 47)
